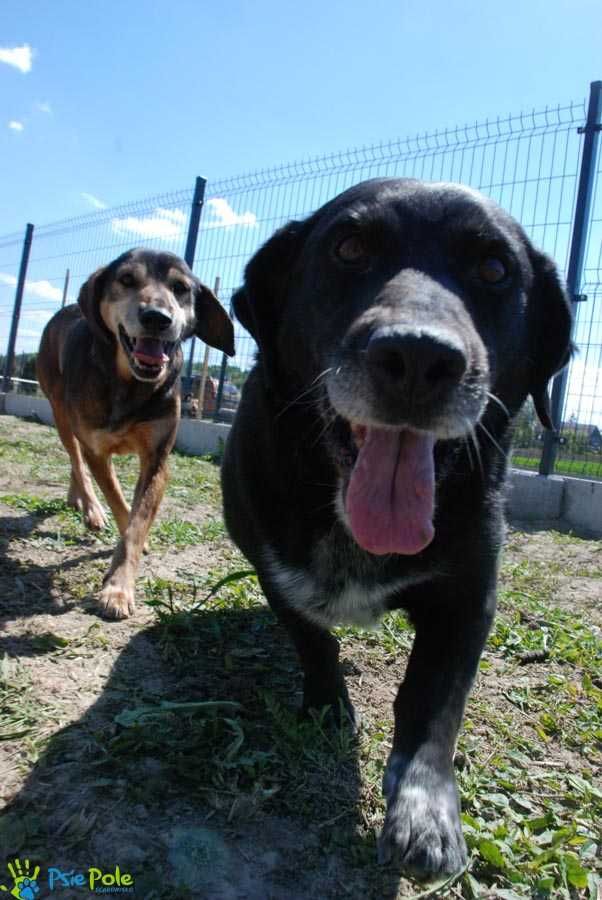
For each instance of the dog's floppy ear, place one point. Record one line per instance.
(212, 323)
(550, 325)
(89, 298)
(258, 303)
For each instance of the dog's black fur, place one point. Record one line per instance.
(417, 315)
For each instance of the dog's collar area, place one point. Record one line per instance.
(147, 356)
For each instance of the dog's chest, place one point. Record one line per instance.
(339, 586)
(130, 439)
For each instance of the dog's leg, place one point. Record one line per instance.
(318, 651)
(81, 491)
(422, 827)
(104, 473)
(117, 596)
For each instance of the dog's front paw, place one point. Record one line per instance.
(422, 829)
(116, 600)
(94, 516)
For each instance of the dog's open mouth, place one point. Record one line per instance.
(390, 496)
(147, 356)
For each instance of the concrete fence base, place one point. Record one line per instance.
(194, 437)
(553, 502)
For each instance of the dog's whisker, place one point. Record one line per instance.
(497, 400)
(328, 425)
(475, 444)
(492, 439)
(468, 453)
(329, 417)
(314, 386)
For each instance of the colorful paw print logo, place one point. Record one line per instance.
(25, 884)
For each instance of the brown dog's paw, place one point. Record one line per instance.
(75, 502)
(422, 830)
(94, 517)
(116, 600)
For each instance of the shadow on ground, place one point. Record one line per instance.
(234, 800)
(27, 588)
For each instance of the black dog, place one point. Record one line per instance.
(400, 329)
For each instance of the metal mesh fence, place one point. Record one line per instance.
(528, 163)
(79, 246)
(580, 450)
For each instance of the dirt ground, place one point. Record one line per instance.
(235, 805)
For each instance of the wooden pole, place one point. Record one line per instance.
(201, 393)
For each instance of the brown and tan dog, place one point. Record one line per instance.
(110, 367)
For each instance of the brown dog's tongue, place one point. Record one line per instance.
(150, 351)
(390, 498)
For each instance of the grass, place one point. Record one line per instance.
(40, 458)
(532, 828)
(67, 526)
(581, 468)
(180, 533)
(23, 716)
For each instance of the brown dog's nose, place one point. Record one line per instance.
(422, 362)
(153, 319)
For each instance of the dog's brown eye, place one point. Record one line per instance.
(179, 287)
(127, 279)
(492, 270)
(351, 250)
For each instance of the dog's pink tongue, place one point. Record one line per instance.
(150, 351)
(390, 498)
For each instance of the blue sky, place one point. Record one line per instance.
(126, 99)
(105, 103)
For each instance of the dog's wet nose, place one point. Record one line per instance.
(153, 319)
(423, 362)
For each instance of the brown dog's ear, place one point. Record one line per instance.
(213, 324)
(89, 298)
(551, 323)
(258, 303)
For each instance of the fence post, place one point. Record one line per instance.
(574, 276)
(65, 289)
(193, 232)
(205, 369)
(222, 378)
(220, 387)
(12, 340)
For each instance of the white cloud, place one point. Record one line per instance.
(168, 224)
(15, 125)
(222, 215)
(164, 224)
(31, 326)
(30, 333)
(93, 201)
(42, 290)
(19, 57)
(38, 316)
(175, 215)
(44, 107)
